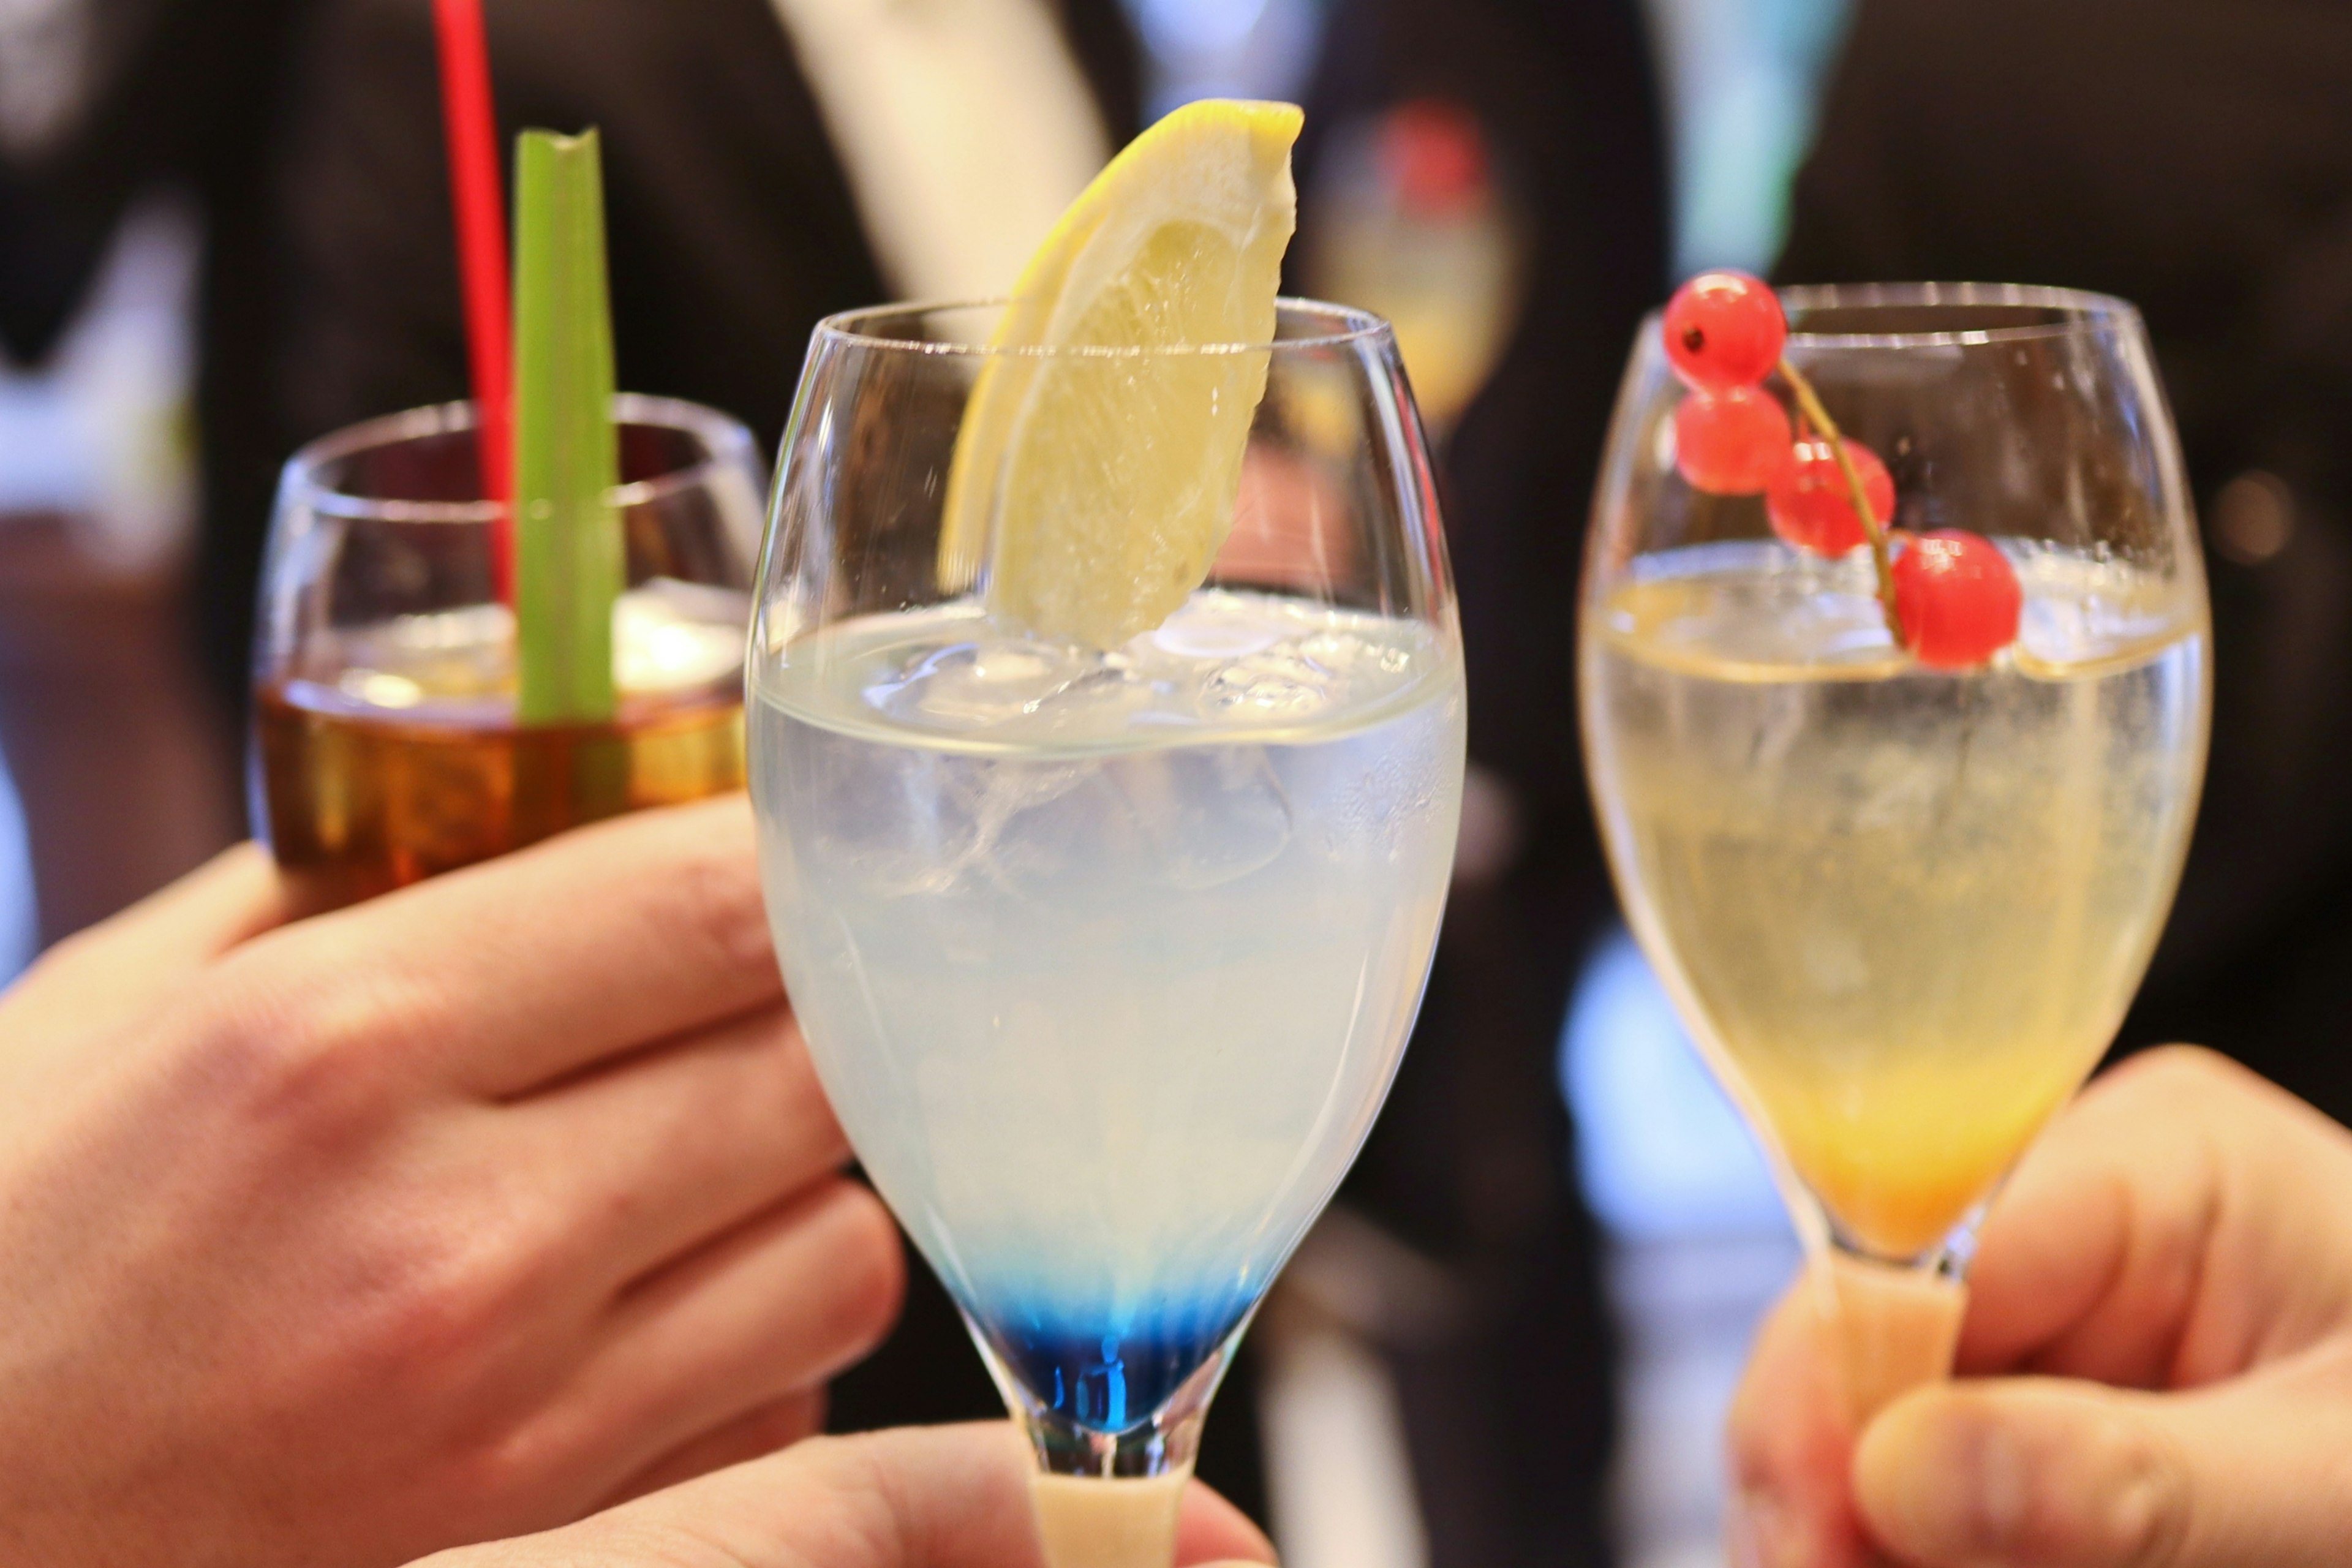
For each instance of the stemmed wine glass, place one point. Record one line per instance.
(1107, 959)
(1901, 901)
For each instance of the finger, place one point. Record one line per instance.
(1791, 1446)
(2125, 1248)
(773, 1308)
(952, 1497)
(1212, 1533)
(771, 1427)
(2040, 1473)
(118, 968)
(644, 1162)
(919, 1497)
(935, 1497)
(502, 977)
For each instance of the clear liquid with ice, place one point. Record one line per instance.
(1106, 959)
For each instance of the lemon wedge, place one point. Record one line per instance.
(1098, 487)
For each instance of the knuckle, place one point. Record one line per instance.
(714, 899)
(2177, 1076)
(308, 1052)
(2166, 1261)
(518, 1460)
(786, 1421)
(795, 1097)
(432, 1303)
(867, 1274)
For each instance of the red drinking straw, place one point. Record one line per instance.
(472, 129)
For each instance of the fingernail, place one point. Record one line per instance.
(1761, 1531)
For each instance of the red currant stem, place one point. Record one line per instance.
(1809, 407)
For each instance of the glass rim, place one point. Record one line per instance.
(2080, 309)
(724, 438)
(1348, 325)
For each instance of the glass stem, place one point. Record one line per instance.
(1894, 1328)
(1110, 1499)
(1161, 1446)
(1087, 1523)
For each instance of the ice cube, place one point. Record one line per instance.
(441, 661)
(1280, 683)
(1212, 814)
(1204, 629)
(669, 636)
(1018, 692)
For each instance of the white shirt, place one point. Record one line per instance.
(964, 125)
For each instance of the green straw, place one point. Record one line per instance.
(568, 552)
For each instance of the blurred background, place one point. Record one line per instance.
(223, 231)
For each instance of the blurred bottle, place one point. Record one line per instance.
(1411, 221)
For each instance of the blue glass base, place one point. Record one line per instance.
(1108, 1383)
(1126, 1404)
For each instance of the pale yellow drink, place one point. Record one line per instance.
(1904, 909)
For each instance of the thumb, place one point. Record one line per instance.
(2044, 1473)
(916, 1496)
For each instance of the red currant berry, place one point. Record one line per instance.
(1731, 443)
(1725, 330)
(1958, 599)
(1812, 506)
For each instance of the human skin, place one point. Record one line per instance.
(2155, 1368)
(448, 1216)
(931, 1497)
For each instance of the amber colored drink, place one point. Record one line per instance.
(390, 752)
(370, 802)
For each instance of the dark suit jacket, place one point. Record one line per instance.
(169, 91)
(2194, 157)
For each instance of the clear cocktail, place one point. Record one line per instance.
(1107, 962)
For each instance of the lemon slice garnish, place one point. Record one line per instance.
(1099, 486)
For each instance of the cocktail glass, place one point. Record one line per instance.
(1903, 909)
(1107, 959)
(386, 745)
